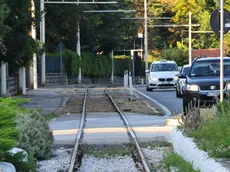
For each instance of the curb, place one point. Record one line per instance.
(187, 148)
(165, 109)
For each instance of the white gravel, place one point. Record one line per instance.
(108, 164)
(153, 155)
(60, 161)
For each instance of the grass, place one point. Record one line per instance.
(50, 116)
(156, 144)
(174, 161)
(212, 135)
(102, 152)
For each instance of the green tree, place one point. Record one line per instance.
(19, 44)
(4, 12)
(103, 31)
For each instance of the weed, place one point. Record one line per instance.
(101, 152)
(174, 161)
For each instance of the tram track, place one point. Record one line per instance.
(132, 136)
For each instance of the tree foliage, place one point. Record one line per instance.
(19, 44)
(4, 12)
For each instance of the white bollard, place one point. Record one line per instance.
(3, 79)
(142, 81)
(130, 86)
(23, 70)
(126, 79)
(22, 80)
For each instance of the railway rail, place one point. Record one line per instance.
(131, 134)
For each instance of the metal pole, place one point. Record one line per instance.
(112, 75)
(221, 50)
(190, 37)
(33, 34)
(79, 51)
(42, 39)
(61, 62)
(146, 40)
(133, 67)
(142, 50)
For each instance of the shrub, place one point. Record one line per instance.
(8, 133)
(211, 135)
(35, 136)
(180, 56)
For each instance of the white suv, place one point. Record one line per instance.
(162, 74)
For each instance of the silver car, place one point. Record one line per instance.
(181, 80)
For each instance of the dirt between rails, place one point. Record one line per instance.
(99, 102)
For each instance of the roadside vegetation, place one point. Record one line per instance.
(175, 162)
(212, 133)
(24, 129)
(106, 150)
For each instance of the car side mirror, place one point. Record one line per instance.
(147, 71)
(181, 76)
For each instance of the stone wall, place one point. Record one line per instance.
(54, 79)
(11, 85)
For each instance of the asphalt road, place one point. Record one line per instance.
(166, 97)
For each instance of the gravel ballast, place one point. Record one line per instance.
(108, 164)
(59, 162)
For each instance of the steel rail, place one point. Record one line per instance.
(79, 134)
(132, 134)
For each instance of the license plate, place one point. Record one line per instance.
(212, 94)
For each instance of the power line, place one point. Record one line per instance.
(110, 11)
(79, 2)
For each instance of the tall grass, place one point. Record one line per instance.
(213, 135)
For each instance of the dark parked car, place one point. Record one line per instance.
(181, 80)
(203, 81)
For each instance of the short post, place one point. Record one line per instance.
(142, 81)
(3, 79)
(23, 81)
(125, 82)
(130, 84)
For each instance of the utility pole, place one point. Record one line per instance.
(190, 37)
(221, 50)
(42, 39)
(146, 40)
(112, 75)
(79, 51)
(33, 68)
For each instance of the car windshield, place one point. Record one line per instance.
(185, 70)
(164, 67)
(209, 68)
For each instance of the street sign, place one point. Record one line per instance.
(140, 35)
(60, 46)
(215, 21)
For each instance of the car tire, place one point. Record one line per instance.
(185, 106)
(177, 95)
(149, 89)
(180, 95)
